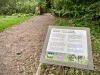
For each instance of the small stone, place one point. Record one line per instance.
(19, 53)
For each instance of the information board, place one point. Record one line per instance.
(68, 46)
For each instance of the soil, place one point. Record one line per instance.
(21, 45)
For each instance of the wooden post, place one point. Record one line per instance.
(39, 69)
(61, 70)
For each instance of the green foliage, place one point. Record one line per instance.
(43, 4)
(18, 6)
(68, 7)
(57, 72)
(93, 11)
(61, 22)
(44, 66)
(71, 71)
(77, 72)
(89, 9)
(3, 2)
(7, 21)
(82, 13)
(96, 44)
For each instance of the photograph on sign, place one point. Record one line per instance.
(68, 46)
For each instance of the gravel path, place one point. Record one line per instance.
(21, 45)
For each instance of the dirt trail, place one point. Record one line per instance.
(27, 39)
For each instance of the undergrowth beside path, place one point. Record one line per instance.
(7, 21)
(95, 39)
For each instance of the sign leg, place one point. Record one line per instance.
(39, 69)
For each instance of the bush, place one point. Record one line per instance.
(18, 6)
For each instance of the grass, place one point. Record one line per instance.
(8, 21)
(44, 66)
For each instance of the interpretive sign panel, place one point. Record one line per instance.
(68, 46)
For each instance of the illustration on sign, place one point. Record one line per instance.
(67, 45)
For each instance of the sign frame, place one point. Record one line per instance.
(90, 65)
